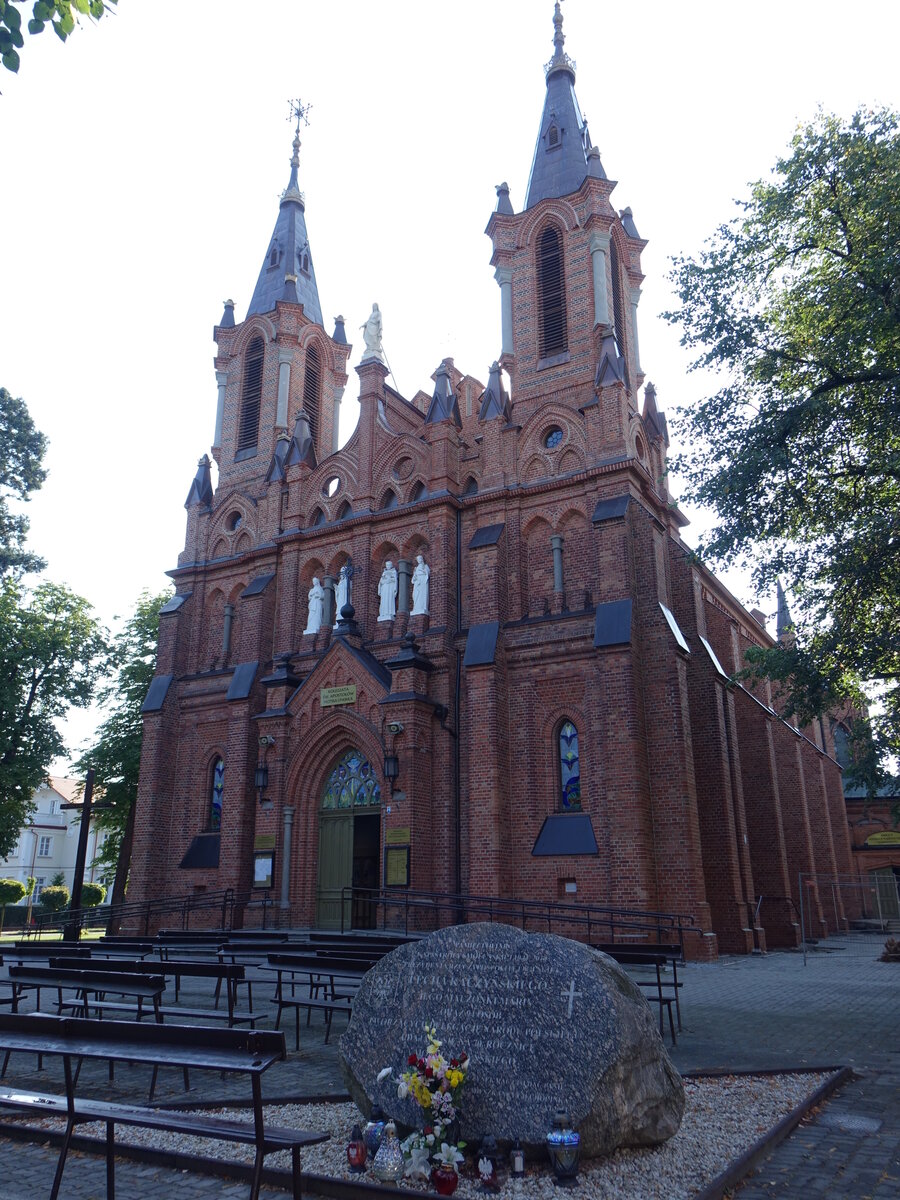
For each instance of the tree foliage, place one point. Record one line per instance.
(60, 15)
(51, 653)
(116, 754)
(22, 448)
(92, 894)
(54, 898)
(796, 303)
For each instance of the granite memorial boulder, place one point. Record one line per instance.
(547, 1023)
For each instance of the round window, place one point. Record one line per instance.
(234, 521)
(331, 486)
(553, 437)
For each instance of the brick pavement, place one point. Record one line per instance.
(739, 1013)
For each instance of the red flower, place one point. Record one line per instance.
(454, 1062)
(428, 1072)
(412, 1060)
(428, 1129)
(421, 1064)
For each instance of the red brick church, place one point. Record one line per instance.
(469, 651)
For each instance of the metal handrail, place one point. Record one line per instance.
(593, 919)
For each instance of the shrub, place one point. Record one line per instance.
(92, 894)
(54, 898)
(11, 892)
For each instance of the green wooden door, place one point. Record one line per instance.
(335, 868)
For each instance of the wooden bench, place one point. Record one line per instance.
(237, 1051)
(330, 983)
(229, 974)
(672, 954)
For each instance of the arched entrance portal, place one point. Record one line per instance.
(349, 840)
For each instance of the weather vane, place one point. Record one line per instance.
(298, 111)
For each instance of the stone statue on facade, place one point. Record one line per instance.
(387, 592)
(342, 591)
(372, 335)
(316, 598)
(420, 587)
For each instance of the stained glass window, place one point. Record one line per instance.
(352, 783)
(569, 769)
(215, 799)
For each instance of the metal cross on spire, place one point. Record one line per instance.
(298, 111)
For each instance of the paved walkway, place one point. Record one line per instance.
(738, 1013)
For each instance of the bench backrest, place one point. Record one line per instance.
(168, 966)
(45, 949)
(321, 963)
(110, 981)
(179, 1045)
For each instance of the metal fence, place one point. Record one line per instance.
(845, 915)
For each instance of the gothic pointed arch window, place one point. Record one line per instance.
(312, 388)
(216, 796)
(251, 397)
(569, 768)
(351, 784)
(553, 335)
(618, 305)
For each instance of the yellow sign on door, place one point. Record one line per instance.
(338, 695)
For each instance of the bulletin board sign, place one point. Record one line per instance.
(396, 867)
(263, 868)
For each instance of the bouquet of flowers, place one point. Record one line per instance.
(435, 1083)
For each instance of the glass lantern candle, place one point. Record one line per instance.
(562, 1146)
(517, 1161)
(388, 1164)
(488, 1159)
(357, 1152)
(373, 1130)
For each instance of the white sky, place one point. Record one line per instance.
(142, 163)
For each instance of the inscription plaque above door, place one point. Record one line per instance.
(338, 695)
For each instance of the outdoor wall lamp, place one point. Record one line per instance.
(261, 782)
(391, 769)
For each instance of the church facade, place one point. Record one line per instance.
(468, 651)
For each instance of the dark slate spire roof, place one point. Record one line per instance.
(654, 420)
(339, 335)
(495, 401)
(783, 624)
(443, 406)
(611, 368)
(560, 163)
(301, 448)
(227, 321)
(201, 489)
(287, 271)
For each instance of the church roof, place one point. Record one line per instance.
(287, 272)
(561, 156)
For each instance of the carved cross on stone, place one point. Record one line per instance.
(570, 996)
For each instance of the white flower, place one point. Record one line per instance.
(448, 1155)
(384, 1074)
(402, 1089)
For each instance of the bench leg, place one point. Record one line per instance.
(110, 1160)
(672, 1024)
(61, 1161)
(295, 1172)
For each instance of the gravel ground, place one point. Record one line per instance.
(723, 1117)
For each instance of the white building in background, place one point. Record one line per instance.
(48, 844)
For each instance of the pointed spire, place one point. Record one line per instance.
(784, 626)
(628, 223)
(339, 335)
(444, 406)
(276, 471)
(287, 271)
(503, 202)
(561, 155)
(654, 420)
(301, 448)
(201, 489)
(495, 401)
(227, 321)
(611, 368)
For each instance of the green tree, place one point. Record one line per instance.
(54, 898)
(116, 754)
(92, 894)
(22, 449)
(61, 15)
(11, 892)
(796, 304)
(52, 651)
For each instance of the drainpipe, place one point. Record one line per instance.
(288, 814)
(457, 815)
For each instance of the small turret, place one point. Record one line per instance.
(444, 405)
(201, 489)
(495, 401)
